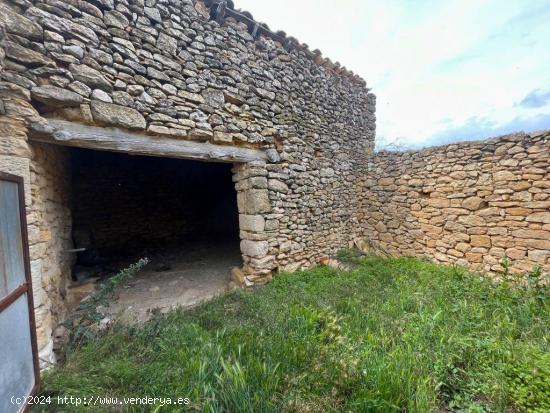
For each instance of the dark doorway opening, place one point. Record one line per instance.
(182, 215)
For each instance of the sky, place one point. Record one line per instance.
(443, 70)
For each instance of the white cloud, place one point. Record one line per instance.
(434, 65)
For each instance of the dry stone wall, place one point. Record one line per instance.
(49, 227)
(188, 70)
(48, 216)
(197, 70)
(470, 204)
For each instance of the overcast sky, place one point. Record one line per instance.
(442, 70)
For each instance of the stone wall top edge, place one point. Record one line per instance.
(49, 47)
(473, 144)
(224, 9)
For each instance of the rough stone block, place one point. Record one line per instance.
(116, 115)
(542, 217)
(25, 56)
(532, 234)
(90, 77)
(505, 176)
(474, 257)
(439, 202)
(539, 256)
(480, 241)
(253, 223)
(278, 186)
(474, 203)
(254, 201)
(18, 24)
(254, 249)
(114, 18)
(167, 44)
(214, 98)
(515, 254)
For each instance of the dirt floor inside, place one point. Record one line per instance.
(177, 279)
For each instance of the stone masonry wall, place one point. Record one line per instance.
(198, 70)
(165, 68)
(50, 227)
(192, 70)
(470, 204)
(45, 174)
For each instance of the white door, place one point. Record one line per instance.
(19, 372)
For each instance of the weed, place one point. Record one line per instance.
(82, 323)
(392, 335)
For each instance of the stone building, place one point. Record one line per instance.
(175, 79)
(285, 138)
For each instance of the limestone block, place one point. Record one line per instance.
(257, 182)
(114, 18)
(56, 96)
(505, 176)
(539, 256)
(520, 185)
(522, 196)
(474, 257)
(439, 202)
(532, 233)
(291, 268)
(474, 203)
(264, 263)
(167, 44)
(98, 94)
(386, 181)
(90, 77)
(463, 247)
(18, 24)
(480, 241)
(518, 211)
(542, 217)
(273, 156)
(254, 201)
(278, 186)
(222, 137)
(116, 115)
(21, 167)
(153, 14)
(272, 225)
(285, 246)
(214, 98)
(255, 249)
(26, 56)
(543, 244)
(472, 221)
(515, 254)
(253, 223)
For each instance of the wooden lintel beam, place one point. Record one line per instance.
(66, 133)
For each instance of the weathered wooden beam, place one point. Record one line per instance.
(66, 133)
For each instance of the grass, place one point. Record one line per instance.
(392, 335)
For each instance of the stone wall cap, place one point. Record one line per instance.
(463, 145)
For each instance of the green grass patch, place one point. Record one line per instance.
(391, 335)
